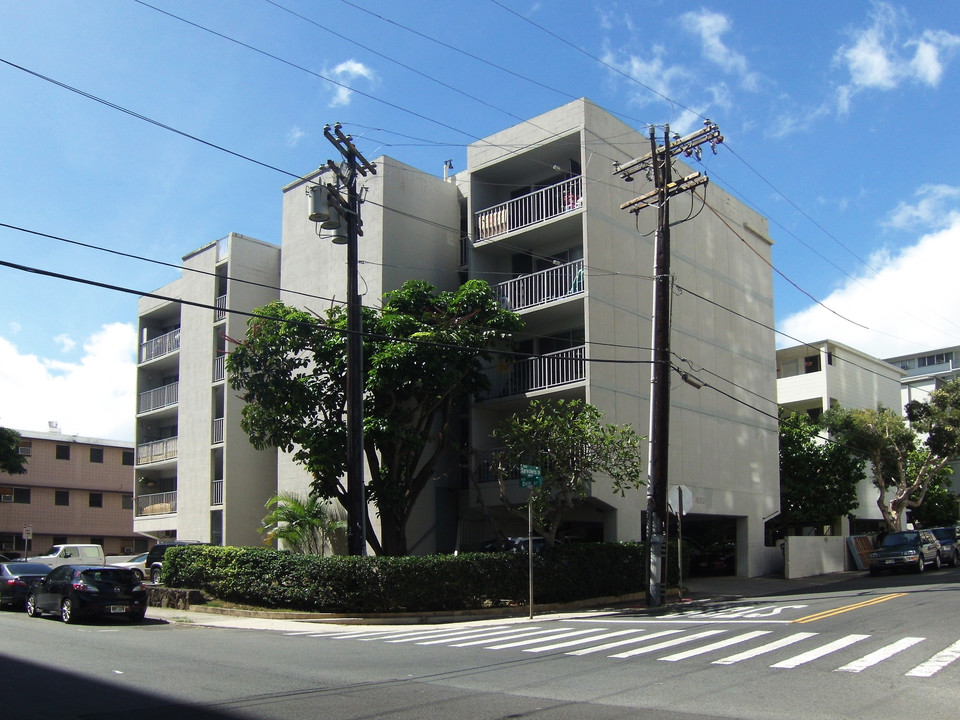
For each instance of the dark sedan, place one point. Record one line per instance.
(16, 579)
(905, 550)
(949, 549)
(75, 591)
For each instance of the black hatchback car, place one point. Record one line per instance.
(75, 591)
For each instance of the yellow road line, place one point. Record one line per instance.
(847, 608)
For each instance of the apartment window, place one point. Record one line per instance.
(21, 495)
(61, 497)
(128, 457)
(96, 455)
(126, 502)
(63, 452)
(811, 363)
(938, 359)
(96, 500)
(96, 541)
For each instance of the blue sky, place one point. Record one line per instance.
(837, 119)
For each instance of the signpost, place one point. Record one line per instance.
(531, 478)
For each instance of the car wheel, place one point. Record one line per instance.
(155, 576)
(936, 561)
(921, 566)
(32, 609)
(66, 611)
(138, 573)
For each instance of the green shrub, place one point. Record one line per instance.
(272, 579)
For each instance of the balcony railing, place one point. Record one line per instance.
(217, 430)
(160, 346)
(159, 397)
(535, 207)
(219, 368)
(216, 492)
(221, 308)
(541, 373)
(157, 503)
(156, 451)
(542, 287)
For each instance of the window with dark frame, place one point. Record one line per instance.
(96, 500)
(128, 457)
(61, 497)
(96, 455)
(63, 452)
(126, 502)
(21, 495)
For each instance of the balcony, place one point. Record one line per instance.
(530, 209)
(216, 492)
(217, 435)
(541, 373)
(160, 346)
(220, 305)
(157, 503)
(219, 368)
(158, 398)
(157, 451)
(542, 287)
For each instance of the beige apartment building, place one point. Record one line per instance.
(76, 489)
(536, 213)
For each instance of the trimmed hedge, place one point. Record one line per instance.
(272, 579)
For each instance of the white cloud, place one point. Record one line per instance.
(934, 209)
(909, 305)
(345, 74)
(94, 397)
(877, 59)
(711, 27)
(65, 342)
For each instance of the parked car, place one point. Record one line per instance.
(949, 549)
(154, 561)
(905, 550)
(138, 563)
(76, 591)
(16, 579)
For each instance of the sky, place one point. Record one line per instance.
(134, 132)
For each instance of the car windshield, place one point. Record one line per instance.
(900, 538)
(116, 575)
(944, 533)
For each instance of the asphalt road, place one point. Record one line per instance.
(865, 648)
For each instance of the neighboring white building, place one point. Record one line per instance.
(537, 214)
(813, 377)
(197, 475)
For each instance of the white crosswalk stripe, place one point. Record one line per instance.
(636, 641)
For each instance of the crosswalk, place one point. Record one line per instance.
(779, 648)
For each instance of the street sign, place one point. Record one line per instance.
(530, 476)
(27, 531)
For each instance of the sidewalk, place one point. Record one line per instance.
(697, 589)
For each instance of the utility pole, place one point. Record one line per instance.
(659, 167)
(346, 173)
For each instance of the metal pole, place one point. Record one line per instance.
(530, 548)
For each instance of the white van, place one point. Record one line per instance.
(72, 554)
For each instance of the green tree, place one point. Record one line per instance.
(940, 506)
(304, 525)
(818, 478)
(569, 442)
(11, 461)
(905, 459)
(424, 354)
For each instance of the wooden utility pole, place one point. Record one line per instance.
(658, 163)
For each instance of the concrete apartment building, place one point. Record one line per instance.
(813, 377)
(197, 475)
(75, 490)
(537, 214)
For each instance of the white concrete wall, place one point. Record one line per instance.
(814, 555)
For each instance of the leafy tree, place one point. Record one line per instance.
(304, 525)
(940, 505)
(11, 461)
(818, 479)
(903, 463)
(424, 353)
(569, 443)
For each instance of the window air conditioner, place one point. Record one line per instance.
(6, 498)
(25, 450)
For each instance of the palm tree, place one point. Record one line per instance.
(303, 525)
